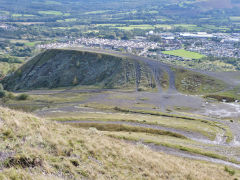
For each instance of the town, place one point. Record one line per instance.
(215, 45)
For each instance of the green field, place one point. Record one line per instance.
(235, 18)
(57, 13)
(52, 3)
(132, 27)
(26, 42)
(68, 20)
(22, 15)
(184, 54)
(96, 12)
(4, 12)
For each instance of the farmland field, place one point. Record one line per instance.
(184, 54)
(235, 18)
(96, 12)
(57, 13)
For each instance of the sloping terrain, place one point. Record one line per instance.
(32, 148)
(65, 67)
(61, 68)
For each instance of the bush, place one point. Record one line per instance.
(1, 87)
(10, 95)
(221, 98)
(230, 171)
(2, 93)
(22, 97)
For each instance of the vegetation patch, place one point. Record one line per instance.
(120, 127)
(221, 98)
(57, 13)
(229, 170)
(184, 54)
(154, 113)
(21, 161)
(226, 96)
(195, 83)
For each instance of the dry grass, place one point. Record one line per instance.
(55, 151)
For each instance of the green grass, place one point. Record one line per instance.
(207, 128)
(235, 18)
(125, 128)
(152, 12)
(31, 44)
(190, 82)
(22, 15)
(25, 42)
(96, 12)
(229, 96)
(134, 20)
(53, 3)
(36, 102)
(163, 26)
(188, 27)
(5, 67)
(16, 15)
(4, 12)
(56, 13)
(132, 27)
(68, 20)
(66, 14)
(230, 171)
(110, 25)
(184, 54)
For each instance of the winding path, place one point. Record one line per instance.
(185, 154)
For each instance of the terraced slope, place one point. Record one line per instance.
(66, 67)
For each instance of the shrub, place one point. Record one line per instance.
(230, 171)
(2, 93)
(221, 98)
(22, 97)
(10, 95)
(1, 87)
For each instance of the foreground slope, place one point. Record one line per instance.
(32, 148)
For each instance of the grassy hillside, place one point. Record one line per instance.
(32, 148)
(196, 83)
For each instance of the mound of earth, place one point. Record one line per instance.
(64, 68)
(60, 68)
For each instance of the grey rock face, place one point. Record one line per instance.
(61, 68)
